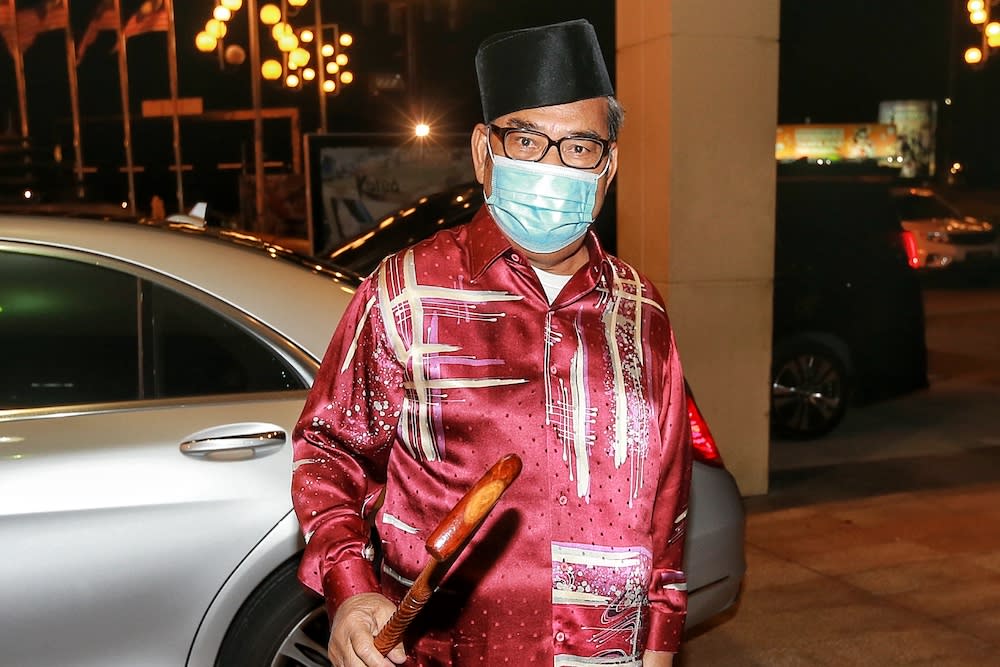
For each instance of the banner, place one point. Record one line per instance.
(835, 142)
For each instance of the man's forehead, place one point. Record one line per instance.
(583, 117)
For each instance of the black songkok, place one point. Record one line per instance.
(540, 67)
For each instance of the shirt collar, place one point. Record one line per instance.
(487, 243)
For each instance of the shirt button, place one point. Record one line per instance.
(515, 257)
(560, 637)
(563, 500)
(553, 369)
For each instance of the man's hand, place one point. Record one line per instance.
(353, 630)
(657, 659)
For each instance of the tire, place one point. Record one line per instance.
(809, 390)
(280, 625)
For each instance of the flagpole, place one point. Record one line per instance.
(172, 64)
(258, 123)
(126, 119)
(22, 95)
(74, 98)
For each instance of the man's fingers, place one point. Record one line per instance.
(352, 638)
(397, 655)
(364, 647)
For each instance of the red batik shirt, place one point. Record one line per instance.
(450, 357)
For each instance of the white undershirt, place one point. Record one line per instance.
(552, 283)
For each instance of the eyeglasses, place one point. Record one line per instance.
(532, 146)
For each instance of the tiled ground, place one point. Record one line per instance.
(905, 579)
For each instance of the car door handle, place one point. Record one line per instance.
(229, 443)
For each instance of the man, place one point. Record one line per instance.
(515, 333)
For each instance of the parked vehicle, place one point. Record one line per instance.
(848, 312)
(940, 236)
(151, 380)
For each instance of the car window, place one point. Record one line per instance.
(194, 351)
(72, 333)
(69, 333)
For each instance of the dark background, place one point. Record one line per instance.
(838, 60)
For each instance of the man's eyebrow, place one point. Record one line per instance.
(528, 125)
(523, 124)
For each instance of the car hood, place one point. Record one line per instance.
(952, 225)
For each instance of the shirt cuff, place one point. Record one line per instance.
(665, 631)
(346, 579)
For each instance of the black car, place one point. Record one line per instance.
(848, 311)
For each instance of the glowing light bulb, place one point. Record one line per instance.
(216, 28)
(299, 56)
(205, 42)
(271, 69)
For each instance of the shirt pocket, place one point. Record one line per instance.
(600, 603)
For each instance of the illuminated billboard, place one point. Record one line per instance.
(916, 127)
(837, 141)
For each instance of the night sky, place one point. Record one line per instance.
(838, 60)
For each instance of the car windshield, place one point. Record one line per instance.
(921, 207)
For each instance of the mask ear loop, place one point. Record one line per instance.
(489, 144)
(493, 159)
(607, 165)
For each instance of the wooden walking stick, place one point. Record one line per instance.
(451, 535)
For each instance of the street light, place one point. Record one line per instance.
(270, 14)
(980, 12)
(293, 68)
(271, 69)
(205, 42)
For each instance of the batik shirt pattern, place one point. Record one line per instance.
(450, 357)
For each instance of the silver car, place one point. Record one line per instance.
(941, 237)
(151, 377)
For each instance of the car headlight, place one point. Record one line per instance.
(937, 236)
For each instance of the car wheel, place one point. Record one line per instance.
(280, 625)
(809, 390)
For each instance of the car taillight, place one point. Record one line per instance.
(702, 441)
(912, 254)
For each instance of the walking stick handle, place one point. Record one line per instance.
(450, 537)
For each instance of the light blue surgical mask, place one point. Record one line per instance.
(542, 207)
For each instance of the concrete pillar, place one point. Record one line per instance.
(696, 183)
